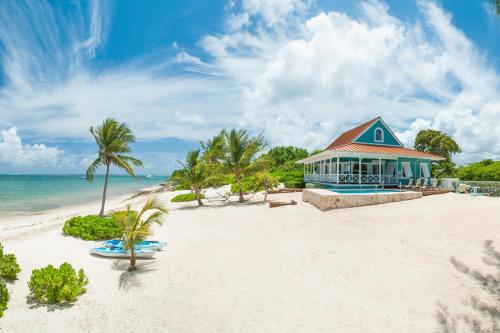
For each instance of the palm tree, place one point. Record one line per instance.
(135, 229)
(193, 174)
(213, 150)
(113, 140)
(239, 155)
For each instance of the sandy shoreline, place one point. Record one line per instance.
(14, 225)
(248, 268)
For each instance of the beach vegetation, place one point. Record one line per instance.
(94, 227)
(439, 143)
(213, 151)
(263, 181)
(4, 298)
(137, 227)
(113, 140)
(284, 158)
(9, 268)
(486, 170)
(194, 175)
(240, 156)
(185, 197)
(57, 285)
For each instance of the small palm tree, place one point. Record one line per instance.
(113, 140)
(265, 181)
(240, 151)
(193, 174)
(213, 150)
(135, 229)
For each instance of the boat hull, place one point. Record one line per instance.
(119, 253)
(149, 245)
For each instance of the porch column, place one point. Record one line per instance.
(359, 171)
(379, 170)
(338, 170)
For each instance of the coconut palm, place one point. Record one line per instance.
(137, 228)
(240, 151)
(113, 140)
(193, 174)
(264, 181)
(213, 150)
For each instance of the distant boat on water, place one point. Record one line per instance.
(149, 176)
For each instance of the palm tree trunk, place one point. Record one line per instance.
(132, 258)
(238, 181)
(101, 213)
(200, 203)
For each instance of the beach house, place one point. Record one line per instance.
(369, 154)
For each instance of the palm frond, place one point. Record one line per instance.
(92, 168)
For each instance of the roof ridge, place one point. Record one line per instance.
(348, 136)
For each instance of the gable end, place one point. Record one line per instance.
(378, 133)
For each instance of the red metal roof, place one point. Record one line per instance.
(375, 149)
(350, 135)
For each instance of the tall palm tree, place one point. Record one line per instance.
(193, 174)
(113, 140)
(240, 151)
(213, 150)
(135, 229)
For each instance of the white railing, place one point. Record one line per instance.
(350, 178)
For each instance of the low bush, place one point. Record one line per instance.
(57, 285)
(295, 184)
(186, 197)
(4, 298)
(9, 268)
(93, 227)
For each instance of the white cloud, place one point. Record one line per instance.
(303, 78)
(12, 151)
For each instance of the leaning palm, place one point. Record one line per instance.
(135, 229)
(213, 150)
(240, 151)
(113, 140)
(193, 174)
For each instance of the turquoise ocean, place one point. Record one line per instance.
(27, 194)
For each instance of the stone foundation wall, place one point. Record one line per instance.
(325, 199)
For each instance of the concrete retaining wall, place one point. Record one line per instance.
(325, 199)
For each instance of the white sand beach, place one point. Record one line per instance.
(248, 268)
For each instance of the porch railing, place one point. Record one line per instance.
(350, 178)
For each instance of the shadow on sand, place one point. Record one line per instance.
(484, 314)
(33, 304)
(131, 279)
(222, 204)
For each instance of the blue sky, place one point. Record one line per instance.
(179, 71)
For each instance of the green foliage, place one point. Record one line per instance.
(286, 155)
(186, 197)
(438, 143)
(57, 285)
(296, 176)
(9, 268)
(194, 175)
(4, 298)
(93, 227)
(136, 229)
(486, 170)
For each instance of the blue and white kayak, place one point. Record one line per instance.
(121, 253)
(147, 244)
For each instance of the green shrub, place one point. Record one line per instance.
(186, 197)
(295, 184)
(4, 298)
(57, 285)
(93, 227)
(9, 268)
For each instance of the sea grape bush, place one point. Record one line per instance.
(4, 298)
(57, 285)
(9, 268)
(93, 227)
(186, 197)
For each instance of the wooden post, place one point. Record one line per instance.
(359, 171)
(379, 170)
(338, 169)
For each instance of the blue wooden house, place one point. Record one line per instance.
(368, 154)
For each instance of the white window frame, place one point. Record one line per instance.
(425, 171)
(375, 134)
(404, 170)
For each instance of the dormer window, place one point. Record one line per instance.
(379, 135)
